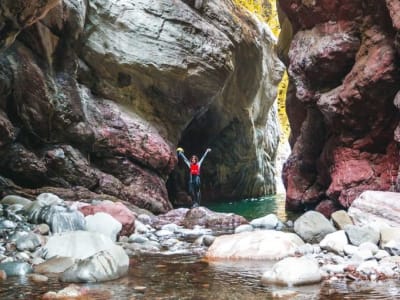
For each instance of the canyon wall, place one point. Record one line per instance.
(343, 63)
(96, 95)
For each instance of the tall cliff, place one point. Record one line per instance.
(95, 96)
(343, 100)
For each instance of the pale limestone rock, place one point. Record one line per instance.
(105, 265)
(335, 242)
(263, 244)
(103, 223)
(77, 244)
(270, 221)
(293, 271)
(376, 206)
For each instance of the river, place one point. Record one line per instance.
(188, 276)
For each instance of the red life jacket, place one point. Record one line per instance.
(194, 169)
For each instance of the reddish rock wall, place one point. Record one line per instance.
(343, 67)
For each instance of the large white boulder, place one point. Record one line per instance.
(96, 256)
(262, 244)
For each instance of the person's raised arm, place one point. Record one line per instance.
(204, 156)
(180, 153)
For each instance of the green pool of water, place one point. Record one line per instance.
(255, 207)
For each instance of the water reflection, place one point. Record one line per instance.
(183, 277)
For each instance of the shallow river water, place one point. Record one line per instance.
(181, 276)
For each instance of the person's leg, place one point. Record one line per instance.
(196, 190)
(198, 193)
(192, 190)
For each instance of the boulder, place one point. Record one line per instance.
(358, 235)
(105, 265)
(217, 221)
(293, 271)
(312, 227)
(96, 257)
(117, 210)
(255, 245)
(14, 199)
(335, 242)
(103, 223)
(76, 244)
(340, 219)
(376, 207)
(270, 221)
(59, 217)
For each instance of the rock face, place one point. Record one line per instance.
(342, 103)
(95, 96)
